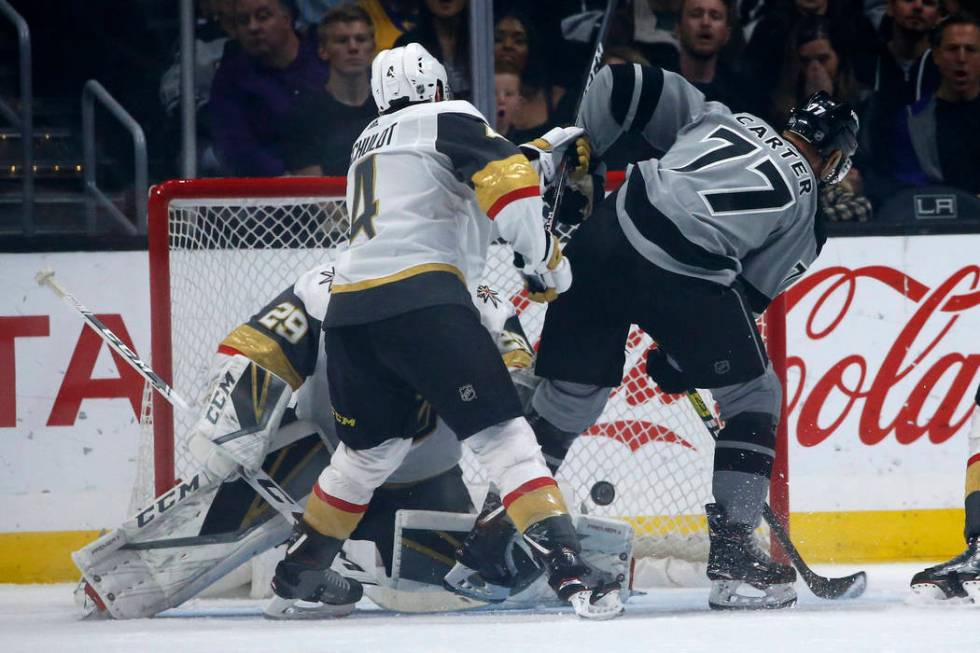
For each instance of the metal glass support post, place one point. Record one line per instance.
(481, 59)
(188, 101)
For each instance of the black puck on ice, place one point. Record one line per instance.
(603, 493)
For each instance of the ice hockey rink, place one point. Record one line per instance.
(41, 618)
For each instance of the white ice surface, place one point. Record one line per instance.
(41, 618)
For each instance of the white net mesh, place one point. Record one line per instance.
(230, 256)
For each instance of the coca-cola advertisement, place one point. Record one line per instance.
(883, 362)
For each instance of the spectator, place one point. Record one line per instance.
(849, 29)
(815, 62)
(943, 129)
(443, 29)
(544, 104)
(653, 29)
(391, 19)
(904, 74)
(507, 80)
(255, 89)
(704, 28)
(329, 119)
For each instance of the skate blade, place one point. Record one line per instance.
(731, 595)
(281, 609)
(972, 588)
(930, 593)
(467, 582)
(608, 606)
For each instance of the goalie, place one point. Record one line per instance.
(267, 407)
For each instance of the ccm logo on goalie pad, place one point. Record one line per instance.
(167, 501)
(219, 398)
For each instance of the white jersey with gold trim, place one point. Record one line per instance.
(428, 188)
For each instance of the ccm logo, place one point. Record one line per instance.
(167, 501)
(930, 207)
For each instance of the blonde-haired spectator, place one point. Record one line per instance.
(326, 121)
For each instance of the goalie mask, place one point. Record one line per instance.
(832, 128)
(406, 75)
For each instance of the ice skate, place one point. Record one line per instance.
(742, 576)
(304, 585)
(958, 578)
(555, 545)
(490, 565)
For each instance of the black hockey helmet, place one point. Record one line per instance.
(829, 126)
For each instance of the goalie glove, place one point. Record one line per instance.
(550, 277)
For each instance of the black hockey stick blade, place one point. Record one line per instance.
(846, 587)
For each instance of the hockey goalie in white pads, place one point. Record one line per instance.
(211, 523)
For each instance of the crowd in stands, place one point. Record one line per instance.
(283, 86)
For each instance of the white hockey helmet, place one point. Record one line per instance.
(408, 73)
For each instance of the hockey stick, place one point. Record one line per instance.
(593, 70)
(847, 587)
(535, 283)
(261, 482)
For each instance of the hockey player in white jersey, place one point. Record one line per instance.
(689, 248)
(430, 184)
(959, 578)
(211, 523)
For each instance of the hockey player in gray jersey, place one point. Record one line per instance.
(690, 248)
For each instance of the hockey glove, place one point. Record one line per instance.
(549, 278)
(667, 377)
(556, 143)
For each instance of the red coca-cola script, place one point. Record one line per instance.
(913, 354)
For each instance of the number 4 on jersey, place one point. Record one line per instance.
(365, 207)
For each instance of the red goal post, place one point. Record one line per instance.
(221, 248)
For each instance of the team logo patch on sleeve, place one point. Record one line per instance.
(326, 278)
(488, 295)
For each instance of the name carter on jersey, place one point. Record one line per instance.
(781, 148)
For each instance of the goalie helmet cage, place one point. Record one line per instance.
(220, 249)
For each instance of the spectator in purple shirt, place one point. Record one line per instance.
(255, 89)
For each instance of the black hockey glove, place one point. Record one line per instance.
(670, 379)
(578, 201)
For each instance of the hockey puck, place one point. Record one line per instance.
(603, 493)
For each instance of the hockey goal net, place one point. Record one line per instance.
(220, 249)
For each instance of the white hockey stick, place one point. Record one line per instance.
(261, 482)
(45, 277)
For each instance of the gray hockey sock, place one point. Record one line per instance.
(743, 463)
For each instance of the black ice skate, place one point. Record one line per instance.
(490, 564)
(958, 578)
(304, 585)
(555, 544)
(742, 576)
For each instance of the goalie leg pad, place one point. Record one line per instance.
(157, 560)
(242, 412)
